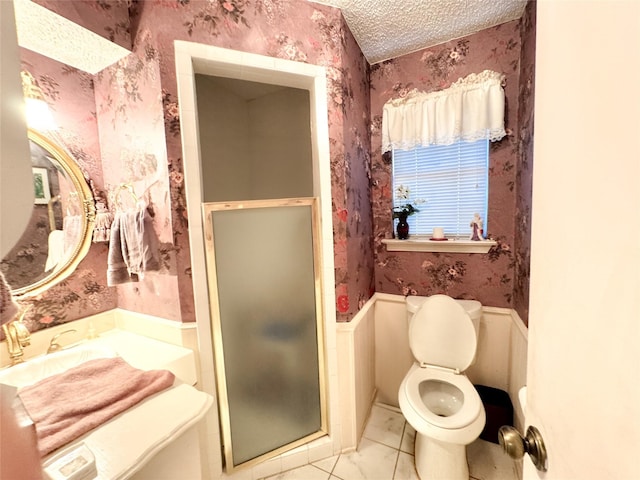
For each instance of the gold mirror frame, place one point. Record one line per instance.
(88, 219)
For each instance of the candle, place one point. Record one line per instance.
(438, 232)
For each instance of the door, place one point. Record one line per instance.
(263, 269)
(584, 337)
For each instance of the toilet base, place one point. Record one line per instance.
(437, 460)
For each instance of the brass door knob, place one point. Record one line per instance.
(515, 445)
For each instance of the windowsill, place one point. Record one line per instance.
(417, 243)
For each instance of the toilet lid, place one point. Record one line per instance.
(441, 333)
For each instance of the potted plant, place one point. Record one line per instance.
(402, 212)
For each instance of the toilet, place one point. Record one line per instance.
(435, 397)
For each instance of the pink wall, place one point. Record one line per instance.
(294, 30)
(134, 108)
(70, 95)
(139, 130)
(524, 175)
(132, 138)
(488, 278)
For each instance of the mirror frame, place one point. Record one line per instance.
(88, 219)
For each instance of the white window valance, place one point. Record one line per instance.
(471, 109)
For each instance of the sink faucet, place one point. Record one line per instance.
(18, 337)
(55, 346)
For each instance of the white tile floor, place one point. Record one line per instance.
(386, 453)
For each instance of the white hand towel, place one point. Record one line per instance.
(56, 249)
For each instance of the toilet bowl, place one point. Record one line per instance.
(435, 396)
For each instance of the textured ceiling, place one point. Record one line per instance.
(386, 29)
(49, 34)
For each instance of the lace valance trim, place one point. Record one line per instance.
(471, 109)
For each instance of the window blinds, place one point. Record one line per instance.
(451, 180)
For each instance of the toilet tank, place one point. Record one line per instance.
(472, 307)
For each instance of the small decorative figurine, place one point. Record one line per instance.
(476, 228)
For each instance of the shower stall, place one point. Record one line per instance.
(261, 224)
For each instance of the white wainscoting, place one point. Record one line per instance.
(356, 373)
(517, 366)
(393, 355)
(374, 356)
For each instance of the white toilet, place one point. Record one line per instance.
(435, 397)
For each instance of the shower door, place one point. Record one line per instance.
(263, 272)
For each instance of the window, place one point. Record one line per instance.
(447, 183)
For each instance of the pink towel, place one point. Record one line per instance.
(69, 404)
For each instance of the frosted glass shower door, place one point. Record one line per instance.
(264, 286)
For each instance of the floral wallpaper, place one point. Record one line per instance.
(123, 125)
(524, 175)
(352, 219)
(132, 138)
(70, 95)
(488, 278)
(293, 30)
(26, 261)
(136, 114)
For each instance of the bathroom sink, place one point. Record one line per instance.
(133, 444)
(44, 366)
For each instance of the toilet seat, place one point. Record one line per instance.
(471, 406)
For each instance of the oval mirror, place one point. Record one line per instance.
(59, 233)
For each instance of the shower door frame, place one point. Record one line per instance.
(216, 322)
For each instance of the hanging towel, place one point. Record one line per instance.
(133, 247)
(117, 272)
(139, 243)
(71, 403)
(55, 251)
